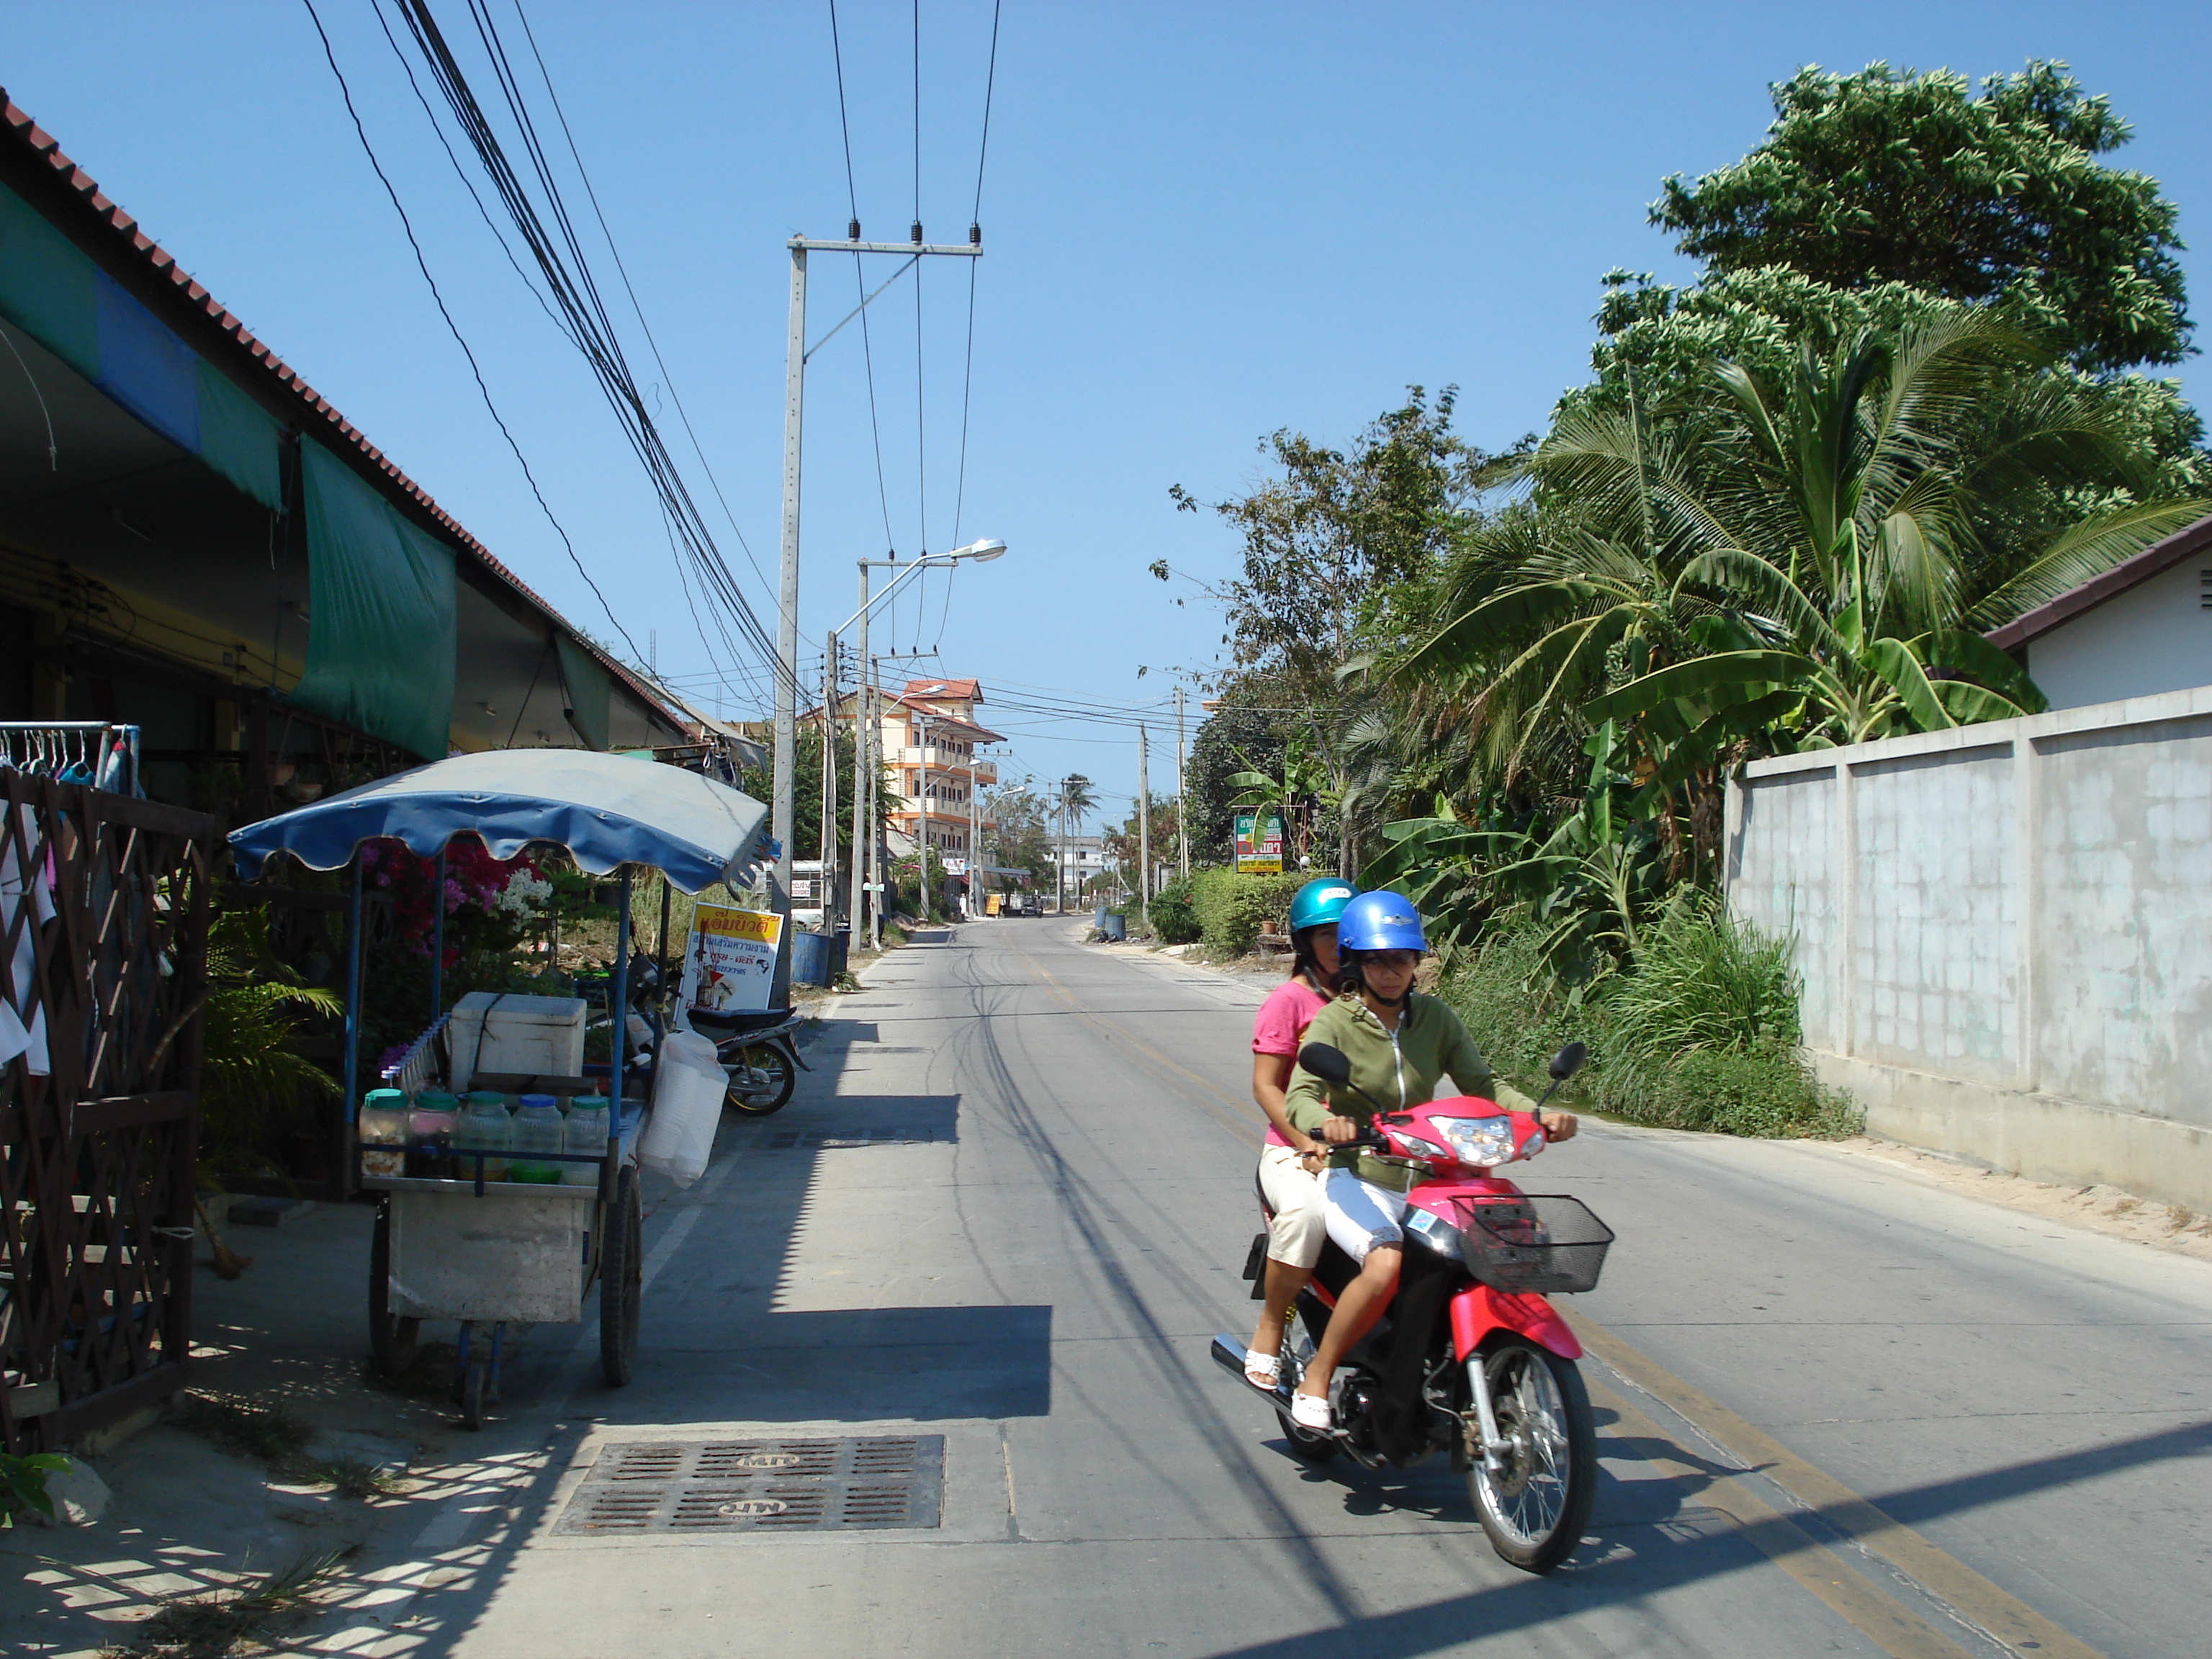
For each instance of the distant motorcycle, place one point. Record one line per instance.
(1469, 1358)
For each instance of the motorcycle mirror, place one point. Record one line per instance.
(1564, 1064)
(1326, 1063)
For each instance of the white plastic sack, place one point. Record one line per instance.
(688, 1086)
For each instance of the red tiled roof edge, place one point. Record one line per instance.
(2129, 573)
(122, 231)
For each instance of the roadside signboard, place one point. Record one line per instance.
(1260, 845)
(729, 961)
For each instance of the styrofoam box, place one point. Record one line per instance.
(496, 1032)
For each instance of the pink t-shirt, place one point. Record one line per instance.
(1282, 1019)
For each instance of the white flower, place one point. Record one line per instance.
(524, 896)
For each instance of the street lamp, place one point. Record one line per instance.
(864, 735)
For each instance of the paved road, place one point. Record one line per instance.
(1008, 1211)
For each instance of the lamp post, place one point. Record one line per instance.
(867, 733)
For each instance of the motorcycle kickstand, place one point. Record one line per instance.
(1493, 1446)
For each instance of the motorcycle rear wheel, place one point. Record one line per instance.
(770, 1077)
(1535, 1508)
(1297, 1351)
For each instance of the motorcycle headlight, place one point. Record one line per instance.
(1484, 1142)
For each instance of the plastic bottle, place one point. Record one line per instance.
(486, 1126)
(382, 1131)
(430, 1125)
(537, 1129)
(585, 1135)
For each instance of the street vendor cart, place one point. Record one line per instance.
(451, 1244)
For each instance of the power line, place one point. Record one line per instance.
(860, 285)
(974, 225)
(574, 289)
(423, 265)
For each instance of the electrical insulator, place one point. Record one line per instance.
(853, 230)
(974, 235)
(917, 233)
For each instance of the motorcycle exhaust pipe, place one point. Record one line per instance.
(1229, 1354)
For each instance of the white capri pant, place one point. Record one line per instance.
(1294, 1236)
(1360, 1215)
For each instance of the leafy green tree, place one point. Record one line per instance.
(1236, 737)
(1996, 196)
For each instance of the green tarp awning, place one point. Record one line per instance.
(51, 290)
(382, 627)
(587, 691)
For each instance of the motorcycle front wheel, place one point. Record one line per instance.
(1536, 1504)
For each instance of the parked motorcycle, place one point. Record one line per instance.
(1469, 1358)
(756, 1050)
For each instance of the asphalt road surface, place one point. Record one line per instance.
(1843, 1412)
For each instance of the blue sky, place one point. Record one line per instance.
(1203, 222)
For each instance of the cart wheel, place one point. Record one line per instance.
(391, 1340)
(474, 1387)
(621, 1259)
(777, 1078)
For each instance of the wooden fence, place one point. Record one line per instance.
(104, 907)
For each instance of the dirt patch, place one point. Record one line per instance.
(2100, 1209)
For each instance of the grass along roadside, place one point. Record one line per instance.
(1703, 1035)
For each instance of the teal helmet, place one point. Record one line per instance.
(1319, 903)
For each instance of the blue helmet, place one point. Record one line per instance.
(1381, 920)
(1319, 903)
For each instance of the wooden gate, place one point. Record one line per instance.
(104, 904)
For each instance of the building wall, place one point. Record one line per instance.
(2001, 931)
(2154, 637)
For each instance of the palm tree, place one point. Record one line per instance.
(1075, 800)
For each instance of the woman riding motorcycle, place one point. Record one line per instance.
(1400, 1042)
(1289, 1176)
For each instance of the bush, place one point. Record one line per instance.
(1707, 1041)
(1172, 915)
(1232, 908)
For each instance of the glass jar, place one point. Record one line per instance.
(585, 1135)
(381, 1129)
(537, 1129)
(486, 1128)
(430, 1126)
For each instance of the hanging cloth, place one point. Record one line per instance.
(18, 974)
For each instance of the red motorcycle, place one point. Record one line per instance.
(1469, 1358)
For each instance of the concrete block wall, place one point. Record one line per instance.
(2005, 934)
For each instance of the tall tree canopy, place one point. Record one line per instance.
(1995, 197)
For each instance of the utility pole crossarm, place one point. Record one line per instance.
(958, 249)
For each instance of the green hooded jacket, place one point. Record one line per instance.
(1399, 1069)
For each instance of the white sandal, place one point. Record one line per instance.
(1310, 1410)
(1264, 1372)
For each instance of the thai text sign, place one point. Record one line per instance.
(1259, 844)
(729, 963)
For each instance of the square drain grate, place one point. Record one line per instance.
(759, 1485)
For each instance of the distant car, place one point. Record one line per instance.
(1031, 905)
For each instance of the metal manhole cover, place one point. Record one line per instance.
(756, 1486)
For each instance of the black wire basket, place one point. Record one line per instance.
(1538, 1242)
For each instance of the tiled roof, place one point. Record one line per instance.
(190, 304)
(2184, 544)
(951, 690)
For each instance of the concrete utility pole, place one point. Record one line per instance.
(782, 804)
(922, 856)
(1143, 825)
(1182, 800)
(864, 775)
(826, 883)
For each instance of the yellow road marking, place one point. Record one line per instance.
(1974, 1598)
(1876, 1615)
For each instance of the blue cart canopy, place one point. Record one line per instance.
(607, 810)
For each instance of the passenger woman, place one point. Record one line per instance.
(1400, 1042)
(1290, 1159)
